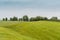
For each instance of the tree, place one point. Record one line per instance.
(45, 18)
(5, 19)
(11, 19)
(32, 19)
(25, 18)
(54, 18)
(38, 18)
(15, 18)
(20, 19)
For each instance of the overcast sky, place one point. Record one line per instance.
(48, 8)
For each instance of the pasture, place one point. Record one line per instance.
(40, 30)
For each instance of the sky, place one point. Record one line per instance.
(32, 8)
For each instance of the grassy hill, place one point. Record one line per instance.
(41, 30)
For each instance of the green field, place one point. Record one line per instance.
(41, 30)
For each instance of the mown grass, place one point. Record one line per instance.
(41, 30)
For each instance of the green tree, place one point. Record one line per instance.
(25, 18)
(54, 18)
(45, 18)
(6, 19)
(11, 19)
(20, 19)
(3, 19)
(38, 18)
(32, 19)
(15, 18)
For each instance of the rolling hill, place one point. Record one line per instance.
(40, 30)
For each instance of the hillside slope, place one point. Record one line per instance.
(42, 30)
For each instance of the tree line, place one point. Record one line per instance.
(26, 18)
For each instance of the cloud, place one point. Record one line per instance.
(47, 4)
(9, 12)
(29, 7)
